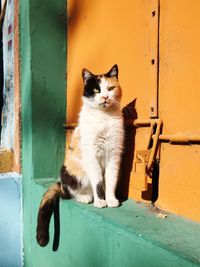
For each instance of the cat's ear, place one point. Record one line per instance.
(113, 72)
(86, 74)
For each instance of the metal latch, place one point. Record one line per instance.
(144, 158)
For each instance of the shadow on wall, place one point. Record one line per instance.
(151, 194)
(75, 13)
(129, 114)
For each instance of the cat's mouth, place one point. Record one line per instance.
(105, 104)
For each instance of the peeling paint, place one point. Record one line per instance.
(7, 133)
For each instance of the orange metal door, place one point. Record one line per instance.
(179, 95)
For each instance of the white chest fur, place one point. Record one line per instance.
(100, 132)
(101, 143)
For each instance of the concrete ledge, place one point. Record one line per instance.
(132, 235)
(128, 236)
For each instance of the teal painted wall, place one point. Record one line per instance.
(10, 220)
(43, 66)
(43, 95)
(48, 44)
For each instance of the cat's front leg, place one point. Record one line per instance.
(111, 177)
(99, 199)
(94, 172)
(98, 191)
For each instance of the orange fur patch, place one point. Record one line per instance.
(73, 156)
(52, 192)
(114, 82)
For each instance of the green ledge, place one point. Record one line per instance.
(131, 235)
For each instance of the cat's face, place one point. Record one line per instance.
(102, 91)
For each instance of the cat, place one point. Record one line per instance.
(92, 161)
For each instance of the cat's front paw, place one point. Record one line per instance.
(86, 199)
(100, 203)
(112, 203)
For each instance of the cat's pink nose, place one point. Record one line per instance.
(105, 97)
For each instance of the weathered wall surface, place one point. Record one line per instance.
(43, 89)
(43, 85)
(7, 133)
(11, 244)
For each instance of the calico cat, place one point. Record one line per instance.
(91, 166)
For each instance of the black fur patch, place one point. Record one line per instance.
(91, 84)
(43, 221)
(68, 180)
(100, 191)
(56, 239)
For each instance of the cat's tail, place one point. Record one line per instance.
(48, 206)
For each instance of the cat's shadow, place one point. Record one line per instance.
(122, 192)
(129, 114)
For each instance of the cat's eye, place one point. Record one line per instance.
(111, 88)
(96, 90)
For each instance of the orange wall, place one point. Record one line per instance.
(179, 105)
(104, 32)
